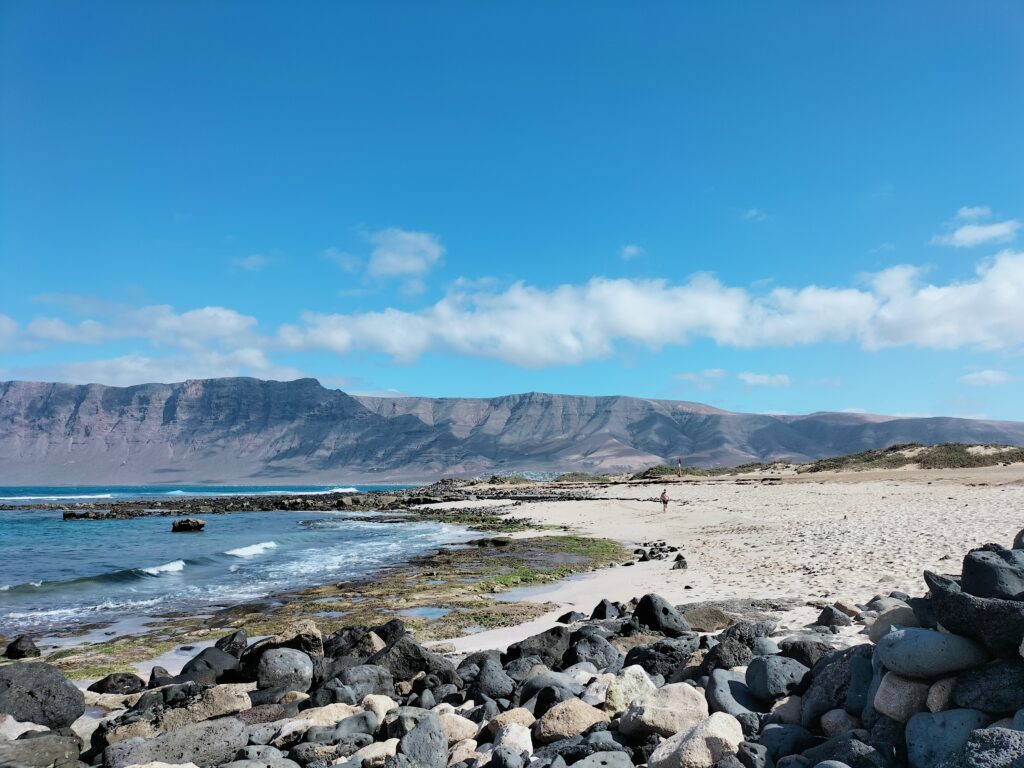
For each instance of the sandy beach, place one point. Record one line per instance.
(817, 537)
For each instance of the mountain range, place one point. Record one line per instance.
(243, 430)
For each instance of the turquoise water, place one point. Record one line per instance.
(57, 574)
(84, 493)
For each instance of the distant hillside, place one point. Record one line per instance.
(939, 456)
(252, 431)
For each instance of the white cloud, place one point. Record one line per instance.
(974, 212)
(986, 312)
(631, 251)
(704, 380)
(971, 235)
(10, 332)
(400, 253)
(569, 324)
(253, 262)
(987, 378)
(764, 379)
(144, 369)
(755, 214)
(538, 327)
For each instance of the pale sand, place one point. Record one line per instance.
(813, 537)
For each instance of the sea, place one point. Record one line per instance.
(57, 575)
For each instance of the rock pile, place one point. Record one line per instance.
(938, 683)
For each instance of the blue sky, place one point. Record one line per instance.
(767, 207)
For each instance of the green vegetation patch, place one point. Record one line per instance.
(581, 477)
(941, 456)
(457, 583)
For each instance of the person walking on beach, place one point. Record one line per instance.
(664, 500)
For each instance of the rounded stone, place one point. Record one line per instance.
(927, 653)
(629, 684)
(940, 695)
(667, 711)
(285, 668)
(933, 737)
(772, 677)
(897, 616)
(36, 692)
(899, 697)
(837, 721)
(567, 718)
(701, 746)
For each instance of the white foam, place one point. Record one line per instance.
(346, 489)
(252, 550)
(57, 498)
(171, 567)
(73, 611)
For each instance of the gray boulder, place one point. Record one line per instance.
(846, 749)
(997, 688)
(38, 693)
(208, 743)
(549, 646)
(655, 612)
(119, 683)
(366, 679)
(926, 653)
(831, 616)
(492, 681)
(997, 624)
(663, 657)
(989, 748)
(285, 668)
(426, 745)
(727, 692)
(21, 647)
(605, 760)
(994, 573)
(405, 658)
(772, 677)
(781, 740)
(40, 750)
(597, 651)
(936, 736)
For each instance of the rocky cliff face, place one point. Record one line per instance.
(252, 431)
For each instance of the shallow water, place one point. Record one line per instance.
(56, 574)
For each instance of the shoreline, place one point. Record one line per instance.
(715, 532)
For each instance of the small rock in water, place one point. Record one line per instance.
(188, 525)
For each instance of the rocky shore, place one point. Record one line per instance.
(398, 500)
(935, 681)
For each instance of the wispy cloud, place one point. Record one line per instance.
(973, 212)
(403, 254)
(347, 261)
(755, 214)
(703, 380)
(987, 378)
(764, 379)
(972, 234)
(148, 369)
(631, 251)
(254, 262)
(396, 254)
